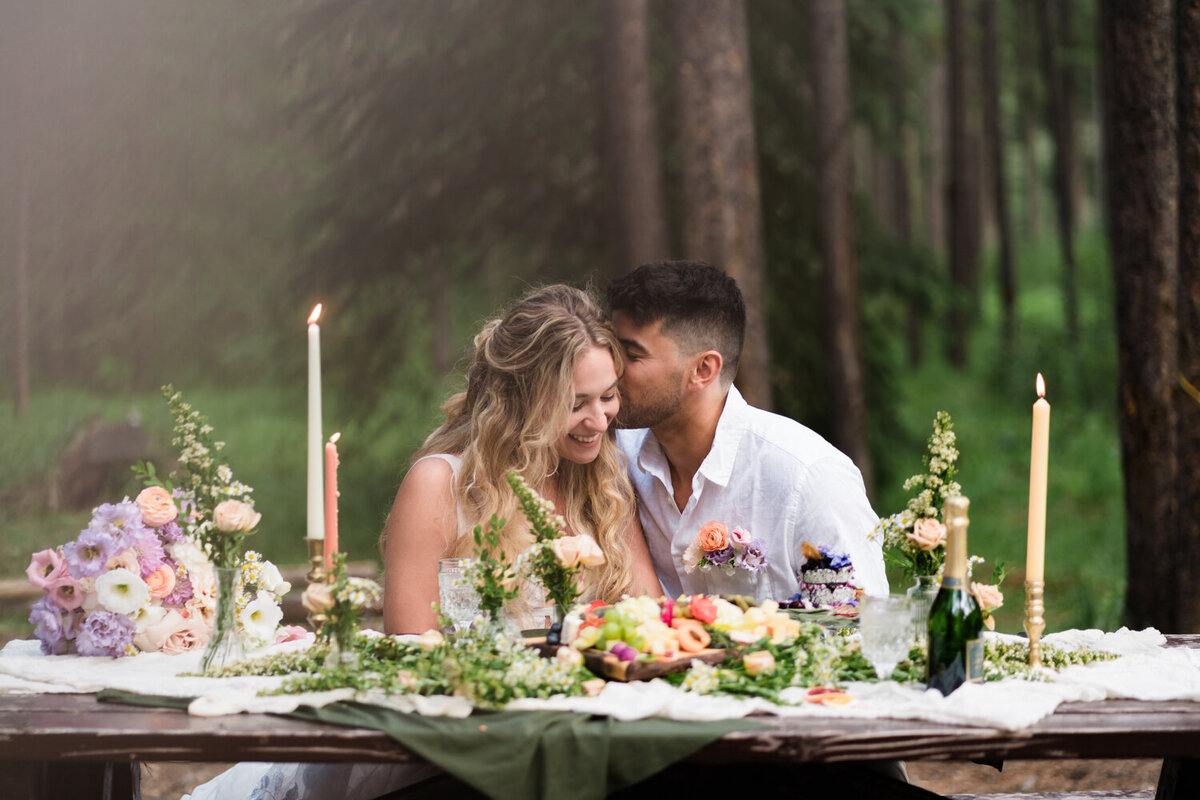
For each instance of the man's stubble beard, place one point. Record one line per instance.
(657, 406)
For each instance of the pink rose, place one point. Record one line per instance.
(172, 630)
(126, 559)
(233, 516)
(579, 550)
(201, 609)
(161, 582)
(157, 505)
(987, 595)
(290, 633)
(318, 597)
(65, 594)
(713, 536)
(928, 533)
(740, 537)
(758, 662)
(45, 568)
(191, 636)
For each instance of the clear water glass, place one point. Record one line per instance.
(885, 624)
(456, 594)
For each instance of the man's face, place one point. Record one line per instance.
(652, 387)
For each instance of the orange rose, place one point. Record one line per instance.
(161, 582)
(157, 505)
(713, 536)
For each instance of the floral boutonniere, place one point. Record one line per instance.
(717, 546)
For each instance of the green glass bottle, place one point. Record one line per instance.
(955, 619)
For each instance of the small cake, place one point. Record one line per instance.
(826, 579)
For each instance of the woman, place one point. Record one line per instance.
(540, 399)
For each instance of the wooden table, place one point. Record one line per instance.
(57, 739)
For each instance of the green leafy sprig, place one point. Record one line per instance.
(351, 596)
(559, 581)
(492, 575)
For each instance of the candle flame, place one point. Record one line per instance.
(1041, 385)
(333, 439)
(316, 312)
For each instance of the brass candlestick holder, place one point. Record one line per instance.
(316, 560)
(1035, 619)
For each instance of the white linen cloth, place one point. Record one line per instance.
(774, 478)
(1146, 671)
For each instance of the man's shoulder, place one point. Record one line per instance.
(783, 439)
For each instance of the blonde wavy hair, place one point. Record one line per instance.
(516, 408)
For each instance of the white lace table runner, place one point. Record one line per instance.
(1146, 671)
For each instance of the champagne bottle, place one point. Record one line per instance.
(955, 619)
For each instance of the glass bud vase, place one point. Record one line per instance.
(225, 642)
(341, 648)
(920, 599)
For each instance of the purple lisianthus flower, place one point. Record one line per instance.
(719, 558)
(752, 559)
(104, 633)
(145, 543)
(48, 626)
(839, 560)
(171, 532)
(183, 588)
(87, 555)
(45, 568)
(117, 518)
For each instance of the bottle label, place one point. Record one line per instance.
(950, 582)
(974, 661)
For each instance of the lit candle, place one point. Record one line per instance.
(331, 503)
(1039, 456)
(316, 508)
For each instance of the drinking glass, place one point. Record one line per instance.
(885, 624)
(456, 594)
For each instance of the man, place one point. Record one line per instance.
(698, 452)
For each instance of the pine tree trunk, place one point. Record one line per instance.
(1142, 170)
(994, 136)
(1188, 399)
(1028, 105)
(831, 111)
(959, 194)
(901, 206)
(1060, 116)
(21, 301)
(632, 135)
(722, 217)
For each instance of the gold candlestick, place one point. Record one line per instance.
(316, 557)
(1035, 619)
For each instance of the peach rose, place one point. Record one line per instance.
(758, 662)
(157, 505)
(126, 559)
(317, 598)
(928, 533)
(691, 557)
(594, 686)
(987, 595)
(191, 636)
(569, 656)
(430, 639)
(161, 582)
(713, 536)
(200, 608)
(579, 550)
(233, 516)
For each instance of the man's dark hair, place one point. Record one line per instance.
(701, 307)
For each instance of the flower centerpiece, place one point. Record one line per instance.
(717, 546)
(335, 607)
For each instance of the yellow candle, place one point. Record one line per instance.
(331, 503)
(1039, 456)
(316, 505)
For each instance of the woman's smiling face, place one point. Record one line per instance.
(596, 404)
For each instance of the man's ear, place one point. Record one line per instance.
(706, 368)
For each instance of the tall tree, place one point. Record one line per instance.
(1028, 112)
(1188, 396)
(901, 207)
(962, 240)
(835, 187)
(1142, 169)
(722, 217)
(994, 141)
(1060, 104)
(631, 129)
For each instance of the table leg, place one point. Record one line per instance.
(46, 780)
(1179, 780)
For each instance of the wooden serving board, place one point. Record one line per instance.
(609, 667)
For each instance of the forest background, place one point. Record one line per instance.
(927, 202)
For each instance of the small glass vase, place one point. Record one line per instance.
(225, 643)
(920, 599)
(341, 648)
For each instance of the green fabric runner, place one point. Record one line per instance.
(509, 755)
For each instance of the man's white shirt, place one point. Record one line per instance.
(770, 476)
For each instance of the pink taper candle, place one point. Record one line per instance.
(1039, 456)
(331, 503)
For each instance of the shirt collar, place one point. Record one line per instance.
(718, 464)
